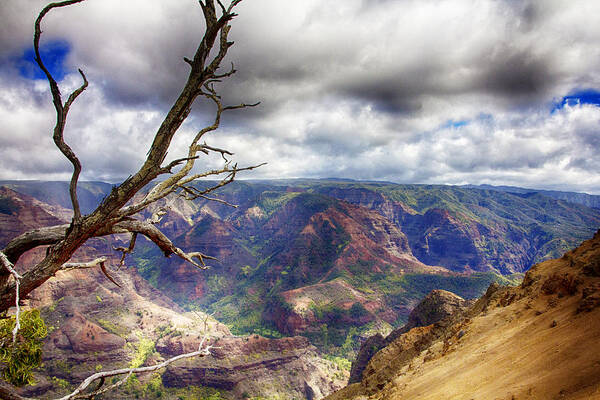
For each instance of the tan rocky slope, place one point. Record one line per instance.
(436, 306)
(540, 340)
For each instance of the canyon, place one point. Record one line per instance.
(305, 271)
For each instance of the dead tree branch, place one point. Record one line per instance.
(127, 250)
(115, 214)
(101, 262)
(32, 239)
(84, 265)
(160, 239)
(203, 351)
(11, 268)
(61, 109)
(114, 209)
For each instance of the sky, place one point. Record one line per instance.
(501, 92)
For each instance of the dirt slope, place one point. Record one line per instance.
(540, 340)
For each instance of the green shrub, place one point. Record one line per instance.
(61, 383)
(22, 357)
(144, 349)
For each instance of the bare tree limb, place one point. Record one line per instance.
(84, 265)
(202, 351)
(32, 239)
(227, 74)
(101, 262)
(8, 265)
(112, 210)
(61, 109)
(158, 215)
(110, 216)
(100, 391)
(160, 239)
(174, 163)
(219, 201)
(114, 214)
(127, 250)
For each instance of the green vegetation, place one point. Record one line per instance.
(342, 364)
(270, 201)
(166, 330)
(64, 367)
(335, 315)
(20, 359)
(52, 307)
(468, 286)
(243, 314)
(201, 227)
(341, 341)
(143, 350)
(112, 327)
(148, 263)
(152, 389)
(60, 383)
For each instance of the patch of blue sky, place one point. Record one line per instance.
(587, 96)
(454, 124)
(53, 55)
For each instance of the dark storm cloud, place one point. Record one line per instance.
(517, 73)
(387, 95)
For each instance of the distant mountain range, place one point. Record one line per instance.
(588, 200)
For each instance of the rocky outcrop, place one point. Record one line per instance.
(82, 336)
(538, 340)
(436, 306)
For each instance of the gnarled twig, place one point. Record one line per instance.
(61, 109)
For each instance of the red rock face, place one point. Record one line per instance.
(85, 336)
(231, 346)
(316, 244)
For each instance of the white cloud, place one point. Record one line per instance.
(446, 91)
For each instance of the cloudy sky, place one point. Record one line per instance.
(504, 92)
